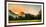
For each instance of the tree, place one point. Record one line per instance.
(39, 15)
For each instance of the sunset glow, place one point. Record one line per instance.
(17, 9)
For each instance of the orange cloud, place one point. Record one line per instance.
(17, 9)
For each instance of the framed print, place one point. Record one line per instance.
(24, 13)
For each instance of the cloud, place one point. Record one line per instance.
(31, 9)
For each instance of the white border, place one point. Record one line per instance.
(26, 22)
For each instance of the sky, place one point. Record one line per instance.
(31, 9)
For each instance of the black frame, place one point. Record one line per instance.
(24, 2)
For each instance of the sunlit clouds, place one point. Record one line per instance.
(18, 8)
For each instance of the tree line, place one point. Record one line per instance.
(27, 16)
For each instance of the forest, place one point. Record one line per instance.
(13, 16)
